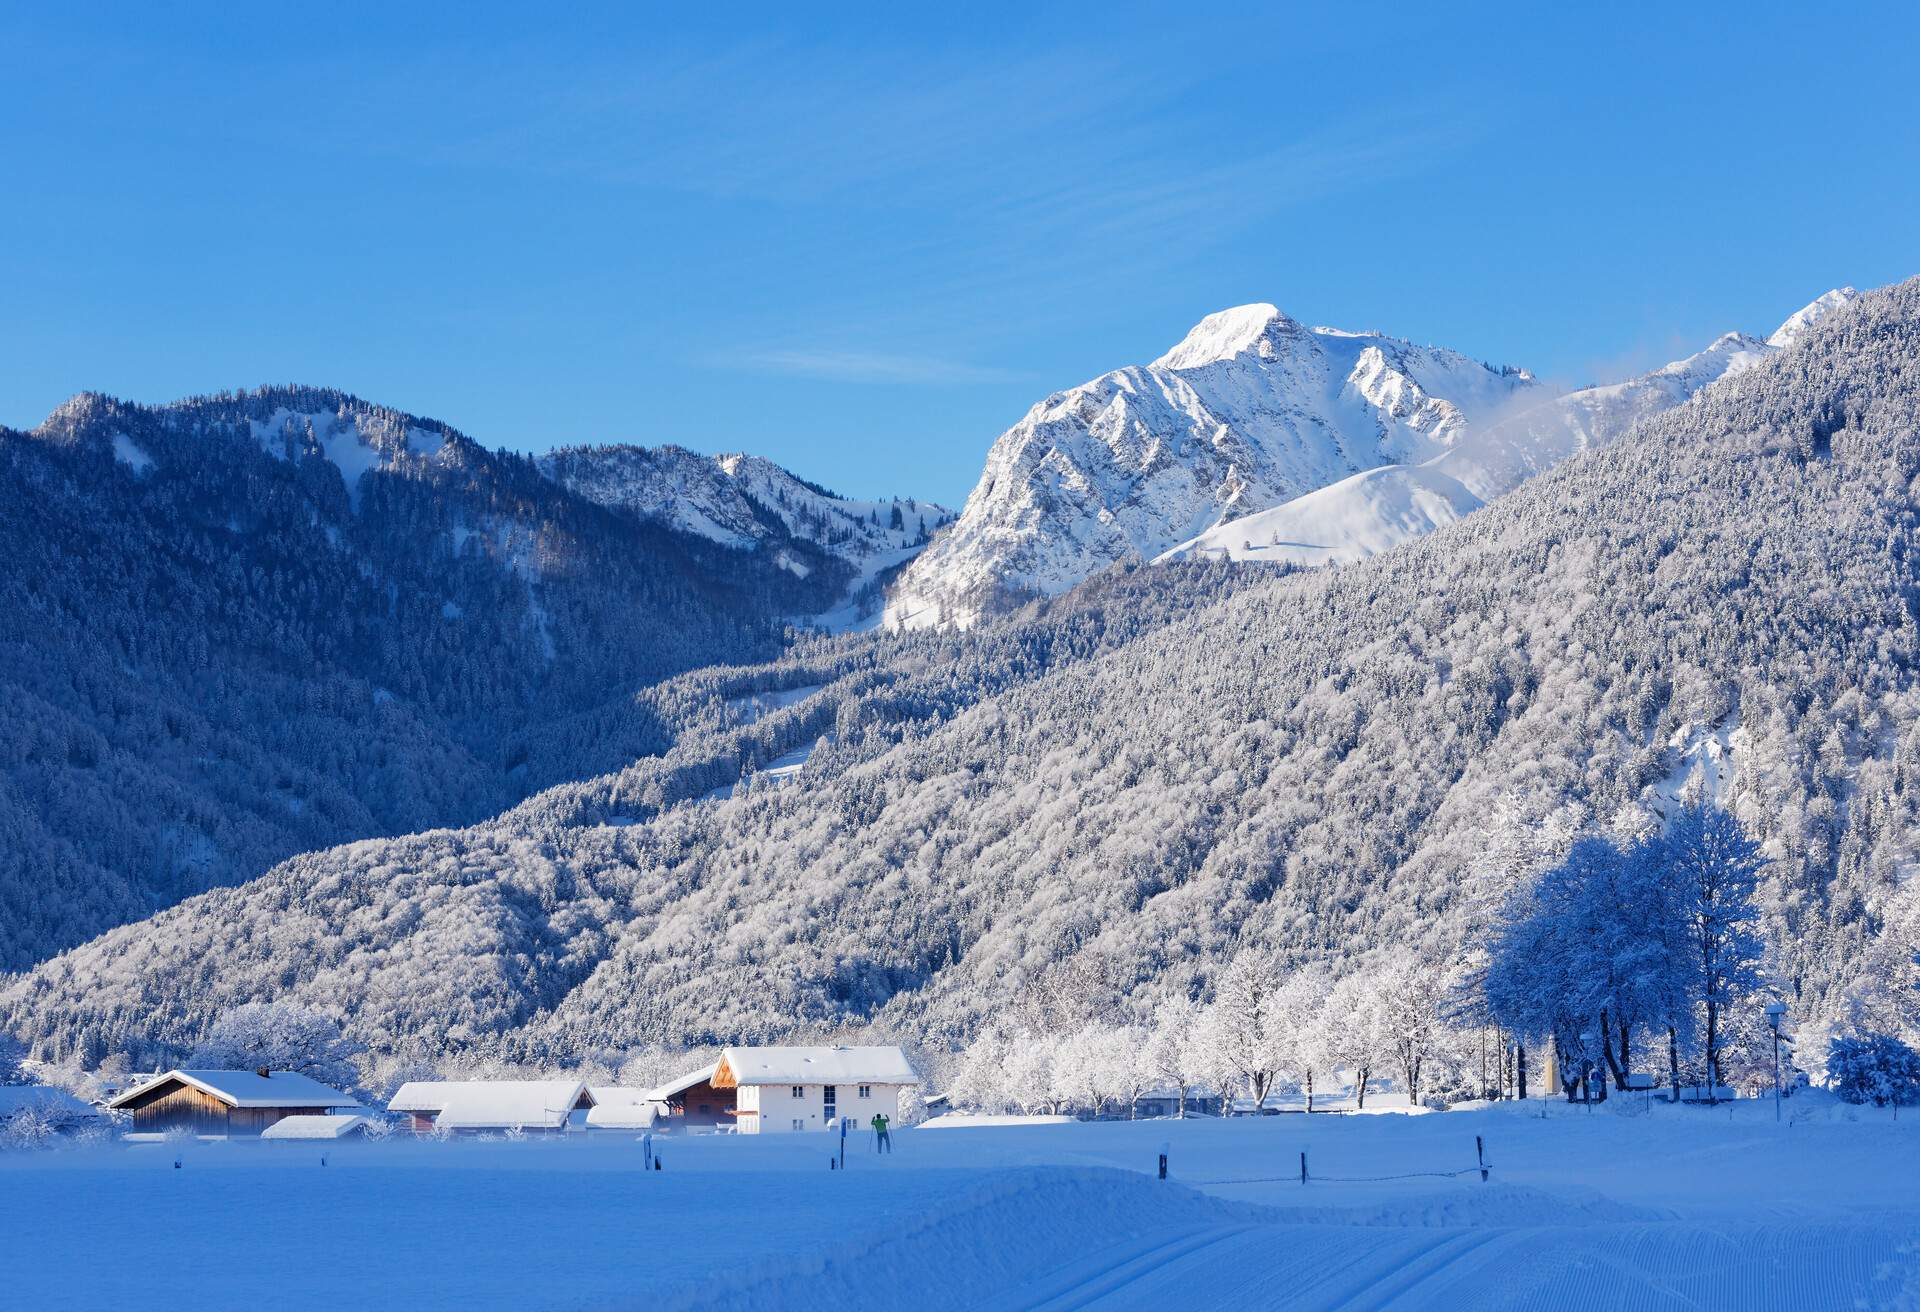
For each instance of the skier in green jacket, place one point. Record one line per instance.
(882, 1141)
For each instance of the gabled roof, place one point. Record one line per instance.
(673, 1088)
(248, 1089)
(827, 1065)
(491, 1104)
(617, 1113)
(313, 1127)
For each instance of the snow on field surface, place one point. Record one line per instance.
(1673, 1208)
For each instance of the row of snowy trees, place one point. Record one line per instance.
(1616, 943)
(1265, 1029)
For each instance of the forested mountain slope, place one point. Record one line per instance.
(245, 626)
(1324, 762)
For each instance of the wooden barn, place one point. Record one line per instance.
(225, 1102)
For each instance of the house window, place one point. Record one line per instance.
(799, 1124)
(829, 1096)
(866, 1091)
(799, 1091)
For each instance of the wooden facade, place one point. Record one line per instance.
(703, 1105)
(173, 1104)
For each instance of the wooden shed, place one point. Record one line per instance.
(225, 1102)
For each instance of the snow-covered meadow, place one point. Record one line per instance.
(1641, 1206)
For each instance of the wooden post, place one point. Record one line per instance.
(1480, 1153)
(1163, 1166)
(1303, 1166)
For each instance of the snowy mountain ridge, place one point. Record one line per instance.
(1381, 508)
(1249, 410)
(739, 501)
(748, 503)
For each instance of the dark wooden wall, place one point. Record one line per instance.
(181, 1106)
(702, 1105)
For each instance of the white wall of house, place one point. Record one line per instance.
(790, 1108)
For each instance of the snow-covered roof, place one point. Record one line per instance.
(41, 1097)
(680, 1085)
(250, 1089)
(830, 1065)
(491, 1104)
(313, 1127)
(619, 1115)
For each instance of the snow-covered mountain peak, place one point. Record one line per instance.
(1811, 313)
(1249, 410)
(1225, 334)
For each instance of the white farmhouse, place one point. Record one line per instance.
(784, 1090)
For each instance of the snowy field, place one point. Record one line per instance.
(1673, 1208)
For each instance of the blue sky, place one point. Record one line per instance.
(863, 243)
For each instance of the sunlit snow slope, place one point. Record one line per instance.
(1381, 508)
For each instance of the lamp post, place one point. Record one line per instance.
(1775, 1010)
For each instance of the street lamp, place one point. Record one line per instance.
(1775, 1010)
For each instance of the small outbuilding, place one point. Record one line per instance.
(619, 1108)
(788, 1090)
(324, 1128)
(480, 1106)
(226, 1102)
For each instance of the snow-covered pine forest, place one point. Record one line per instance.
(244, 626)
(1099, 808)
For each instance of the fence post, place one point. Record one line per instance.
(1480, 1154)
(1303, 1166)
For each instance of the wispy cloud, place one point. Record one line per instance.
(867, 367)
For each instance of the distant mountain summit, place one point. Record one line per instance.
(1384, 507)
(1249, 410)
(752, 504)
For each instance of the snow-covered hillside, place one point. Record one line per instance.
(1381, 508)
(1106, 799)
(750, 503)
(264, 622)
(1251, 409)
